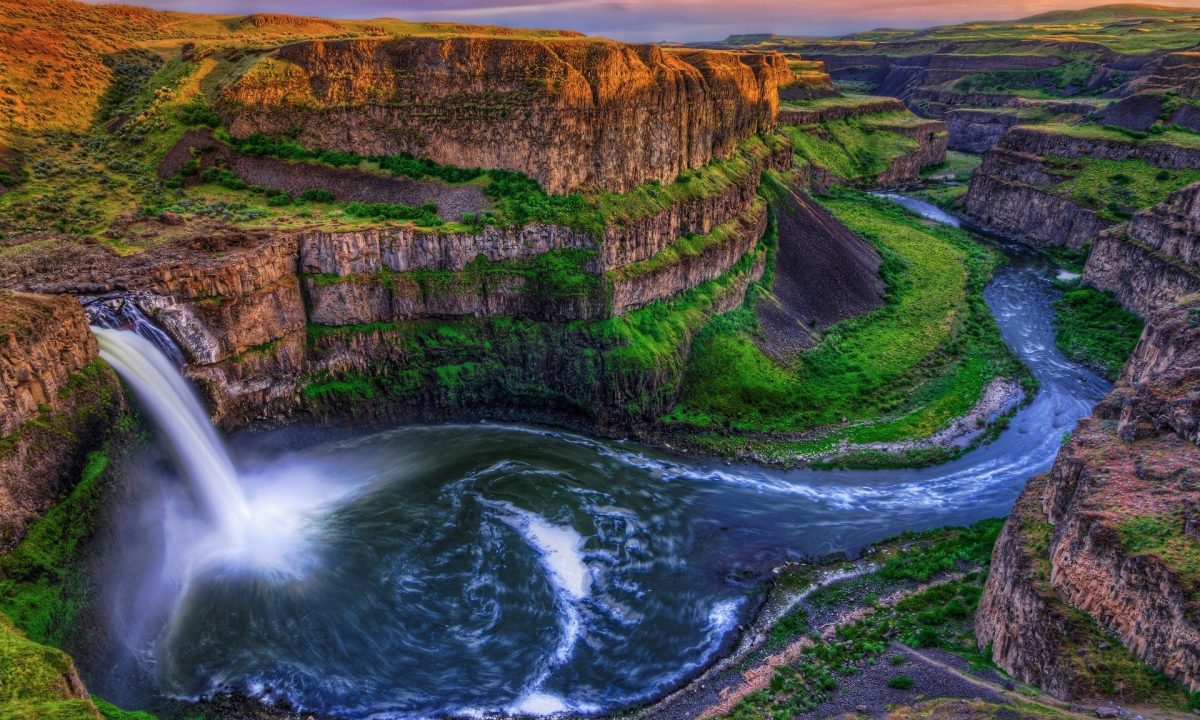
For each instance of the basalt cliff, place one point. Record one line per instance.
(1103, 550)
(568, 113)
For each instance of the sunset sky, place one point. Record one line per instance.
(646, 20)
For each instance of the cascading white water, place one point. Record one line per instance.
(121, 312)
(184, 425)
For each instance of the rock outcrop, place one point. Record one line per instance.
(1012, 191)
(569, 113)
(1107, 541)
(56, 401)
(977, 130)
(805, 115)
(1154, 259)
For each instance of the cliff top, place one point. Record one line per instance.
(1128, 28)
(59, 59)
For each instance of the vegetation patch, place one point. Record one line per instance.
(1116, 189)
(902, 371)
(855, 149)
(940, 616)
(628, 366)
(1166, 539)
(1092, 328)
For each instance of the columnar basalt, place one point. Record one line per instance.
(977, 130)
(1154, 259)
(569, 113)
(56, 401)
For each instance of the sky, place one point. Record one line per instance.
(659, 20)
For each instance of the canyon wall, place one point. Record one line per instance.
(56, 403)
(1012, 192)
(569, 112)
(1155, 258)
(1109, 540)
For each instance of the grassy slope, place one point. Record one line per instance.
(38, 681)
(937, 617)
(57, 56)
(900, 372)
(1116, 188)
(1092, 328)
(855, 149)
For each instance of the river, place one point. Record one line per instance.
(476, 569)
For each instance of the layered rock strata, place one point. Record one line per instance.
(569, 113)
(1010, 193)
(977, 130)
(1107, 541)
(804, 115)
(1155, 258)
(56, 402)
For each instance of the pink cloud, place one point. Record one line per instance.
(648, 20)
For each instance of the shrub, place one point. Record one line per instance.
(317, 195)
(901, 682)
(426, 215)
(197, 113)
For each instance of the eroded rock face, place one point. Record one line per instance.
(1153, 260)
(569, 113)
(1007, 192)
(1075, 550)
(977, 131)
(56, 404)
(1010, 207)
(637, 285)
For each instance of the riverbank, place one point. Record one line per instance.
(893, 629)
(905, 372)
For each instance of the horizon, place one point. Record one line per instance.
(647, 21)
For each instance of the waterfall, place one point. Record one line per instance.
(122, 313)
(183, 425)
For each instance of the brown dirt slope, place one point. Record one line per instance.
(824, 273)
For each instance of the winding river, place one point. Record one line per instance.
(477, 569)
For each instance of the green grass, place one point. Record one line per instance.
(958, 167)
(1092, 328)
(938, 617)
(851, 149)
(904, 370)
(1169, 136)
(1116, 189)
(901, 682)
(849, 100)
(941, 616)
(35, 681)
(518, 199)
(629, 365)
(1164, 537)
(1068, 78)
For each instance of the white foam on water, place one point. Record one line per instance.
(560, 551)
(539, 703)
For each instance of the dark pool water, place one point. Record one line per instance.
(474, 569)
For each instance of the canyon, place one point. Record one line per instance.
(387, 237)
